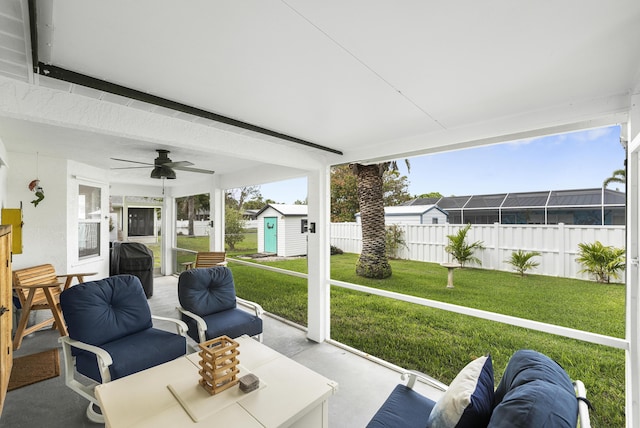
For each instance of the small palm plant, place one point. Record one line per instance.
(460, 250)
(601, 261)
(522, 261)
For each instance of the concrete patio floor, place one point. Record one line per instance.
(363, 384)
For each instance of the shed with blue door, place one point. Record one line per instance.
(282, 230)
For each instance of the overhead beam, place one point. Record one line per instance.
(102, 85)
(70, 76)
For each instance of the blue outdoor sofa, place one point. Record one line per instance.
(534, 392)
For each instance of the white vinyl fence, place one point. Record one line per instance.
(200, 227)
(558, 244)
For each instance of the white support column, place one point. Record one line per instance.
(318, 254)
(633, 275)
(168, 234)
(216, 209)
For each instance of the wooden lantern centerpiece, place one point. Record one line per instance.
(219, 364)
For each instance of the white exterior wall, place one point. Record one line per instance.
(413, 218)
(558, 244)
(260, 232)
(50, 231)
(427, 218)
(4, 160)
(400, 219)
(44, 233)
(295, 242)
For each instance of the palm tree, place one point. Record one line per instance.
(373, 262)
(460, 249)
(618, 176)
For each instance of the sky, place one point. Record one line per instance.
(560, 162)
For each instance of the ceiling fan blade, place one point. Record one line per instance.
(133, 167)
(177, 164)
(132, 161)
(202, 171)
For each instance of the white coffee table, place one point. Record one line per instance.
(290, 395)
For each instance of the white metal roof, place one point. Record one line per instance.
(286, 209)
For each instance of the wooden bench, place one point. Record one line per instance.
(207, 259)
(39, 288)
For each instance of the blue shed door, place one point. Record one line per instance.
(270, 234)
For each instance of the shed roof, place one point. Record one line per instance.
(286, 209)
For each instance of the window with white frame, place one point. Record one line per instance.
(89, 214)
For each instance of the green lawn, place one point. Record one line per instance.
(440, 343)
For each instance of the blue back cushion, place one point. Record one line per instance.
(98, 312)
(534, 392)
(468, 402)
(205, 291)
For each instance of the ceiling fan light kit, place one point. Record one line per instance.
(163, 172)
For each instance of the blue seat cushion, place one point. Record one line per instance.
(205, 291)
(403, 408)
(102, 311)
(131, 354)
(232, 322)
(534, 392)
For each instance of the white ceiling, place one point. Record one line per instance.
(372, 79)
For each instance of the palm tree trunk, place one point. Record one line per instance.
(191, 214)
(373, 262)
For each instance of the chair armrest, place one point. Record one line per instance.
(255, 306)
(181, 325)
(103, 357)
(583, 404)
(413, 375)
(71, 275)
(202, 325)
(27, 287)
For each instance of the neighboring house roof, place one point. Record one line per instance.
(251, 213)
(556, 198)
(285, 209)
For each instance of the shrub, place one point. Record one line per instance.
(522, 261)
(335, 250)
(460, 250)
(394, 239)
(603, 262)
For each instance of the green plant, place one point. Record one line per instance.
(602, 261)
(233, 227)
(394, 239)
(460, 250)
(522, 261)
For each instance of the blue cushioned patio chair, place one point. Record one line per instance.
(208, 305)
(111, 335)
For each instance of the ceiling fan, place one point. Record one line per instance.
(163, 166)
